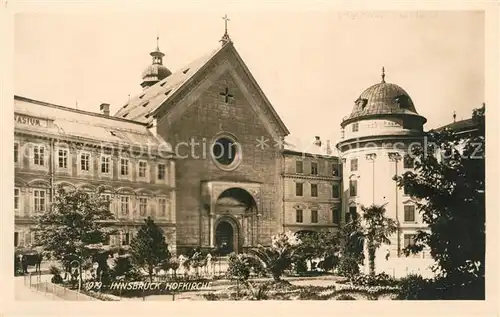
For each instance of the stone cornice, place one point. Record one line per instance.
(312, 177)
(80, 143)
(310, 226)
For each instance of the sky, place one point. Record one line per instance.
(312, 65)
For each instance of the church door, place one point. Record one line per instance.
(225, 238)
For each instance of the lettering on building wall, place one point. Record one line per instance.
(392, 124)
(27, 120)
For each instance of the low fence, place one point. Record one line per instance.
(34, 281)
(213, 270)
(402, 267)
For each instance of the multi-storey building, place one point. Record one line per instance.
(56, 145)
(233, 183)
(312, 189)
(376, 138)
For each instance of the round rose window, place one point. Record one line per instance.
(226, 152)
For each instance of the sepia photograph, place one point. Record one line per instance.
(238, 155)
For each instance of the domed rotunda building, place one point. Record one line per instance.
(376, 137)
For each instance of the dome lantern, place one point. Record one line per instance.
(156, 71)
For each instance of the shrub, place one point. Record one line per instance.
(345, 297)
(381, 279)
(348, 267)
(300, 267)
(413, 287)
(370, 292)
(56, 275)
(239, 268)
(211, 296)
(309, 294)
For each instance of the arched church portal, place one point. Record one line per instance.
(235, 210)
(226, 237)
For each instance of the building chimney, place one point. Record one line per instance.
(317, 141)
(328, 147)
(104, 107)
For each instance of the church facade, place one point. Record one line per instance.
(231, 175)
(227, 179)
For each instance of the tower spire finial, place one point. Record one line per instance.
(454, 116)
(225, 38)
(383, 74)
(157, 41)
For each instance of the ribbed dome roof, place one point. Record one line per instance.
(382, 99)
(155, 72)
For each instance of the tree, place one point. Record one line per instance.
(376, 231)
(350, 242)
(279, 256)
(77, 222)
(321, 244)
(448, 186)
(148, 248)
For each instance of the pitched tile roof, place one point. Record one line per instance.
(459, 126)
(74, 123)
(139, 107)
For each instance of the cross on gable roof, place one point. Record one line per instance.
(154, 99)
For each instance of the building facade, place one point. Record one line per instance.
(56, 145)
(201, 151)
(377, 138)
(312, 191)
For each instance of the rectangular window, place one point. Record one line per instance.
(298, 189)
(335, 191)
(16, 199)
(314, 190)
(62, 158)
(107, 240)
(406, 190)
(125, 204)
(314, 168)
(355, 127)
(335, 170)
(16, 152)
(352, 214)
(336, 216)
(298, 216)
(299, 167)
(314, 216)
(142, 169)
(16, 239)
(39, 195)
(123, 167)
(105, 164)
(162, 208)
(143, 206)
(161, 171)
(85, 162)
(353, 188)
(409, 239)
(108, 198)
(408, 162)
(126, 239)
(409, 213)
(354, 165)
(39, 155)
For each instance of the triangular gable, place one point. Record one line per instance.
(173, 100)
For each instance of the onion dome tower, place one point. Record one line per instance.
(156, 71)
